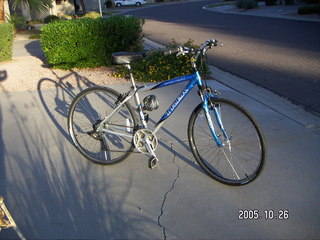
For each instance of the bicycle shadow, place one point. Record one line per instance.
(57, 95)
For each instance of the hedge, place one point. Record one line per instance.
(6, 41)
(87, 42)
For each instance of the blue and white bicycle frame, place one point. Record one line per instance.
(194, 79)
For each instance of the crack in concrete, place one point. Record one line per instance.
(166, 194)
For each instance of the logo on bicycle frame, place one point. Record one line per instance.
(175, 104)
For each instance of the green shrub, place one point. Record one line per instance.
(247, 4)
(92, 15)
(157, 67)
(309, 9)
(18, 21)
(6, 41)
(50, 18)
(88, 42)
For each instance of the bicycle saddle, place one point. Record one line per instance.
(126, 57)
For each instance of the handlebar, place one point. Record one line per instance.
(172, 51)
(181, 50)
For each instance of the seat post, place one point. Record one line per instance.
(136, 98)
(131, 76)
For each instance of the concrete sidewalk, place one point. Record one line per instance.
(54, 193)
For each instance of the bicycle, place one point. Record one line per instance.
(224, 138)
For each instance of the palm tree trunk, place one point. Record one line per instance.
(2, 17)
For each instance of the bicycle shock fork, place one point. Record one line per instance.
(207, 104)
(226, 143)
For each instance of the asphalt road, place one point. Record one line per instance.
(278, 54)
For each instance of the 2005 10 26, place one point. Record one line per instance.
(270, 214)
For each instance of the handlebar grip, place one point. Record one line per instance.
(211, 42)
(172, 51)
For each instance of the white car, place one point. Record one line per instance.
(119, 3)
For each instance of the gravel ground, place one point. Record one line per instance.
(29, 73)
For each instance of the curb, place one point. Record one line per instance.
(265, 11)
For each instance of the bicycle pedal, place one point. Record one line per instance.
(153, 161)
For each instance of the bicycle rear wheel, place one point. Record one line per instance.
(114, 143)
(239, 160)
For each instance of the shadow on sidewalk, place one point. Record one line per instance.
(53, 194)
(35, 49)
(3, 75)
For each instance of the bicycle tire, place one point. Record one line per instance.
(238, 163)
(87, 109)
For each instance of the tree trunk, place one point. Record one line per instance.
(83, 6)
(2, 16)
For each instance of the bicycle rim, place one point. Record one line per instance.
(88, 109)
(239, 160)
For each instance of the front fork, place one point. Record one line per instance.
(207, 105)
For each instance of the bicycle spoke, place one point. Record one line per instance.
(230, 162)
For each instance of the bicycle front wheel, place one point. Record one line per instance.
(113, 142)
(241, 156)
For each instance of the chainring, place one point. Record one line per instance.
(142, 137)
